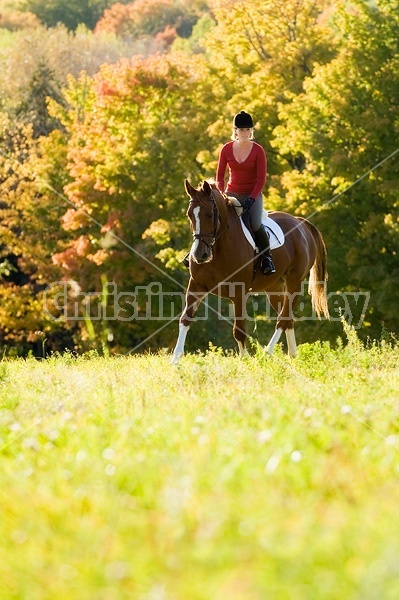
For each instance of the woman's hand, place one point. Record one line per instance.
(247, 203)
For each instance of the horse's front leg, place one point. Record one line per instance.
(239, 328)
(194, 297)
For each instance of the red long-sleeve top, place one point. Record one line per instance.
(248, 177)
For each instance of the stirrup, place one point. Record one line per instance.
(267, 265)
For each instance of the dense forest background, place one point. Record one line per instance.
(106, 107)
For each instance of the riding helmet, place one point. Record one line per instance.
(242, 120)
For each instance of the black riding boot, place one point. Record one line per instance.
(186, 260)
(263, 243)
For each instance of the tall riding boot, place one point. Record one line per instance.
(263, 243)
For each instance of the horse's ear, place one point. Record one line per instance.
(206, 187)
(189, 188)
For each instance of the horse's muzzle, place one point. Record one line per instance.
(202, 258)
(201, 252)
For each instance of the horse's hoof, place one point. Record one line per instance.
(175, 359)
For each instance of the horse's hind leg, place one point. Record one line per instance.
(282, 302)
(276, 300)
(275, 339)
(291, 341)
(286, 317)
(194, 297)
(239, 328)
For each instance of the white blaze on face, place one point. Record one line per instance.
(197, 228)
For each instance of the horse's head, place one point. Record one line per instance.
(204, 219)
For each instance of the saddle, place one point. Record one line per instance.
(274, 231)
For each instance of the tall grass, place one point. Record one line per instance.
(127, 478)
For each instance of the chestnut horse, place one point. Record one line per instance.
(223, 262)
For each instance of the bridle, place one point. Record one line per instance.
(216, 224)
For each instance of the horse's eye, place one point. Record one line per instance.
(209, 215)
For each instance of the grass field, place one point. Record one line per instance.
(217, 479)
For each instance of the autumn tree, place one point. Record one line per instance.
(14, 20)
(38, 217)
(29, 234)
(146, 18)
(261, 52)
(128, 156)
(343, 130)
(71, 13)
(99, 197)
(33, 108)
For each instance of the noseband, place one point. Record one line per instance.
(216, 224)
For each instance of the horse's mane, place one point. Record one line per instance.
(230, 201)
(219, 196)
(214, 186)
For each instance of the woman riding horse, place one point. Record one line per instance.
(223, 262)
(247, 168)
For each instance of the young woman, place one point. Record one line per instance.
(247, 171)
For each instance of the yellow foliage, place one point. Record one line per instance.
(159, 231)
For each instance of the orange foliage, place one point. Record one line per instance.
(73, 220)
(16, 20)
(98, 258)
(116, 19)
(167, 36)
(104, 89)
(70, 258)
(141, 18)
(112, 222)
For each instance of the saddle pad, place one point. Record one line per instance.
(276, 234)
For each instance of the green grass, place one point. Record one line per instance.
(218, 479)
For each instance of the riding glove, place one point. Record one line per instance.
(247, 203)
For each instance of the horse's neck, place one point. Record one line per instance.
(224, 214)
(230, 227)
(229, 221)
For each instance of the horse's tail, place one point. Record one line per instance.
(318, 273)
